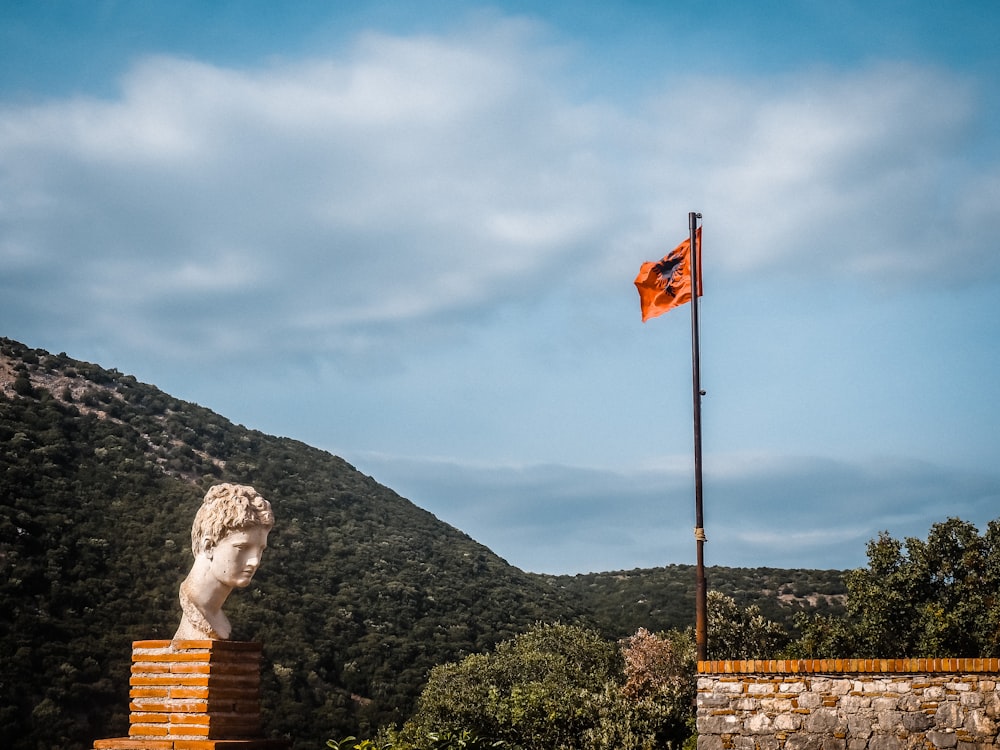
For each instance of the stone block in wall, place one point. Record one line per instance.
(777, 705)
(948, 715)
(941, 739)
(888, 721)
(803, 741)
(823, 721)
(884, 742)
(874, 686)
(916, 721)
(852, 704)
(709, 742)
(787, 722)
(792, 687)
(977, 723)
(972, 699)
(767, 742)
(727, 724)
(758, 723)
(935, 693)
(991, 702)
(860, 725)
(713, 701)
(730, 686)
(809, 700)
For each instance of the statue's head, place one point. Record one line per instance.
(228, 538)
(228, 508)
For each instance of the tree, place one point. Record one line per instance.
(659, 691)
(541, 689)
(564, 687)
(735, 633)
(916, 598)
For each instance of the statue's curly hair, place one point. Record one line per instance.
(228, 508)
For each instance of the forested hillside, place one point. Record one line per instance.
(663, 598)
(360, 594)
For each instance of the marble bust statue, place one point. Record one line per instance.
(228, 538)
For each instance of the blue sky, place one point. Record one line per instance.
(407, 232)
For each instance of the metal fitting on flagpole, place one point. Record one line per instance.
(699, 534)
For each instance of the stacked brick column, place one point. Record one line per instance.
(194, 695)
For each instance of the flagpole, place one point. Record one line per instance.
(701, 595)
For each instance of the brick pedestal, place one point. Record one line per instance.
(194, 695)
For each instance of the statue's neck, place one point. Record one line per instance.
(202, 597)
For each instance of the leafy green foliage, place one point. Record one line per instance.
(562, 686)
(540, 689)
(660, 599)
(741, 633)
(464, 740)
(916, 598)
(353, 743)
(654, 707)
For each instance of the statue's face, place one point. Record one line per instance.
(237, 556)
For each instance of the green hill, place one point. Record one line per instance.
(657, 599)
(360, 594)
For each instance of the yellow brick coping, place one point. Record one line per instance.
(848, 666)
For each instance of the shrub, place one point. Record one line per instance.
(560, 687)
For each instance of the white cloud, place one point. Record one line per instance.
(859, 174)
(411, 178)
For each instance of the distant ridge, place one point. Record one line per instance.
(361, 592)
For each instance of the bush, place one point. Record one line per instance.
(736, 632)
(560, 687)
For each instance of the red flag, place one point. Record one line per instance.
(665, 285)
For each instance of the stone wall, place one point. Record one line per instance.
(827, 704)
